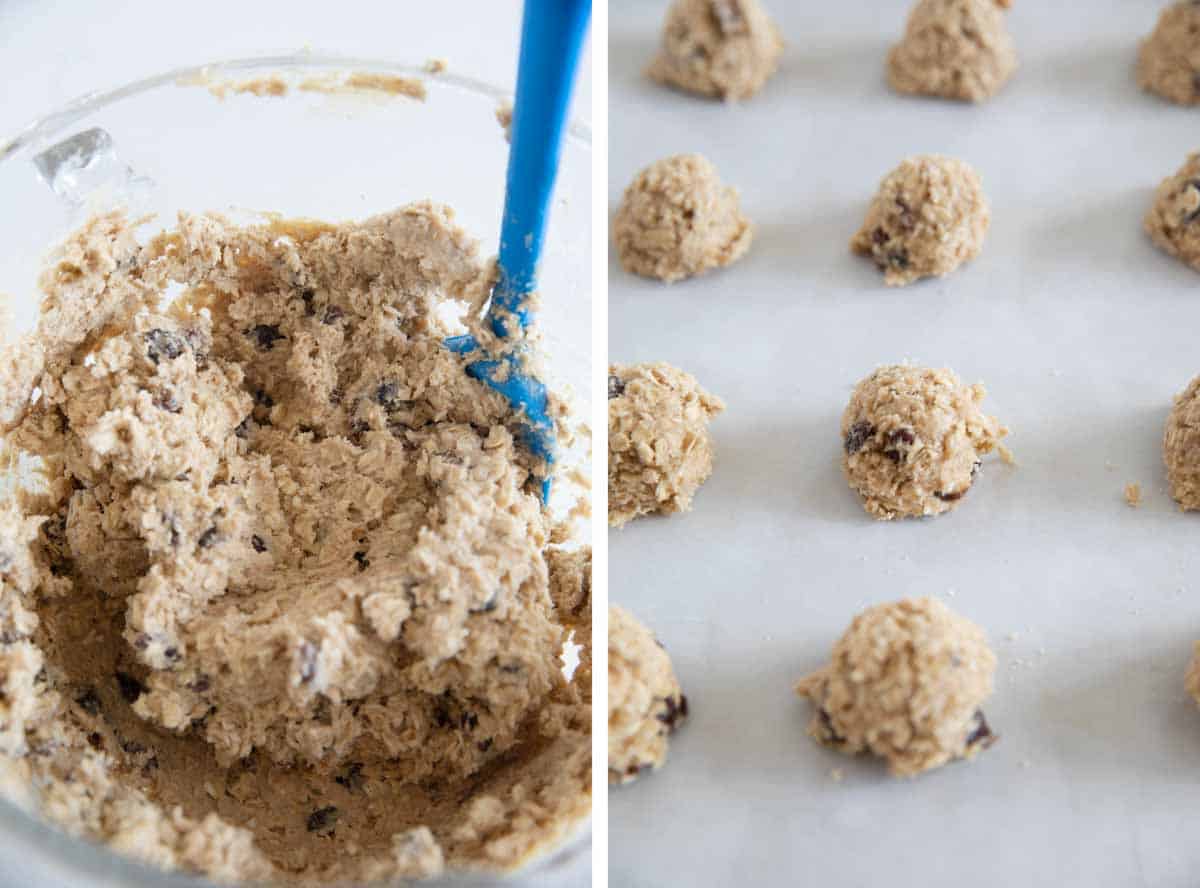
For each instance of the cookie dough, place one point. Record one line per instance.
(725, 49)
(277, 605)
(928, 218)
(504, 117)
(1192, 680)
(645, 703)
(678, 220)
(913, 440)
(1133, 494)
(954, 49)
(571, 592)
(1169, 59)
(659, 448)
(1173, 221)
(906, 682)
(1181, 447)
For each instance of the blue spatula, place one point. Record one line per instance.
(551, 38)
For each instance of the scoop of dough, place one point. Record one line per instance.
(722, 48)
(928, 218)
(659, 449)
(1169, 59)
(905, 682)
(913, 439)
(956, 49)
(645, 703)
(678, 220)
(1173, 221)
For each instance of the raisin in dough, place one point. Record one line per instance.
(906, 682)
(725, 49)
(928, 218)
(281, 606)
(659, 449)
(645, 703)
(955, 49)
(1169, 59)
(678, 220)
(913, 440)
(1173, 221)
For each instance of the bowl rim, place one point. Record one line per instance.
(39, 129)
(80, 856)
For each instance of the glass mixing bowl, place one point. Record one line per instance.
(168, 144)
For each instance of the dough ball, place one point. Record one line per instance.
(678, 220)
(913, 440)
(1173, 222)
(659, 449)
(1169, 59)
(645, 703)
(955, 49)
(721, 48)
(905, 682)
(1181, 447)
(929, 217)
(1192, 681)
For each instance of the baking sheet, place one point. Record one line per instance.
(1082, 332)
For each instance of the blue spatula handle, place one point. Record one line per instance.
(551, 39)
